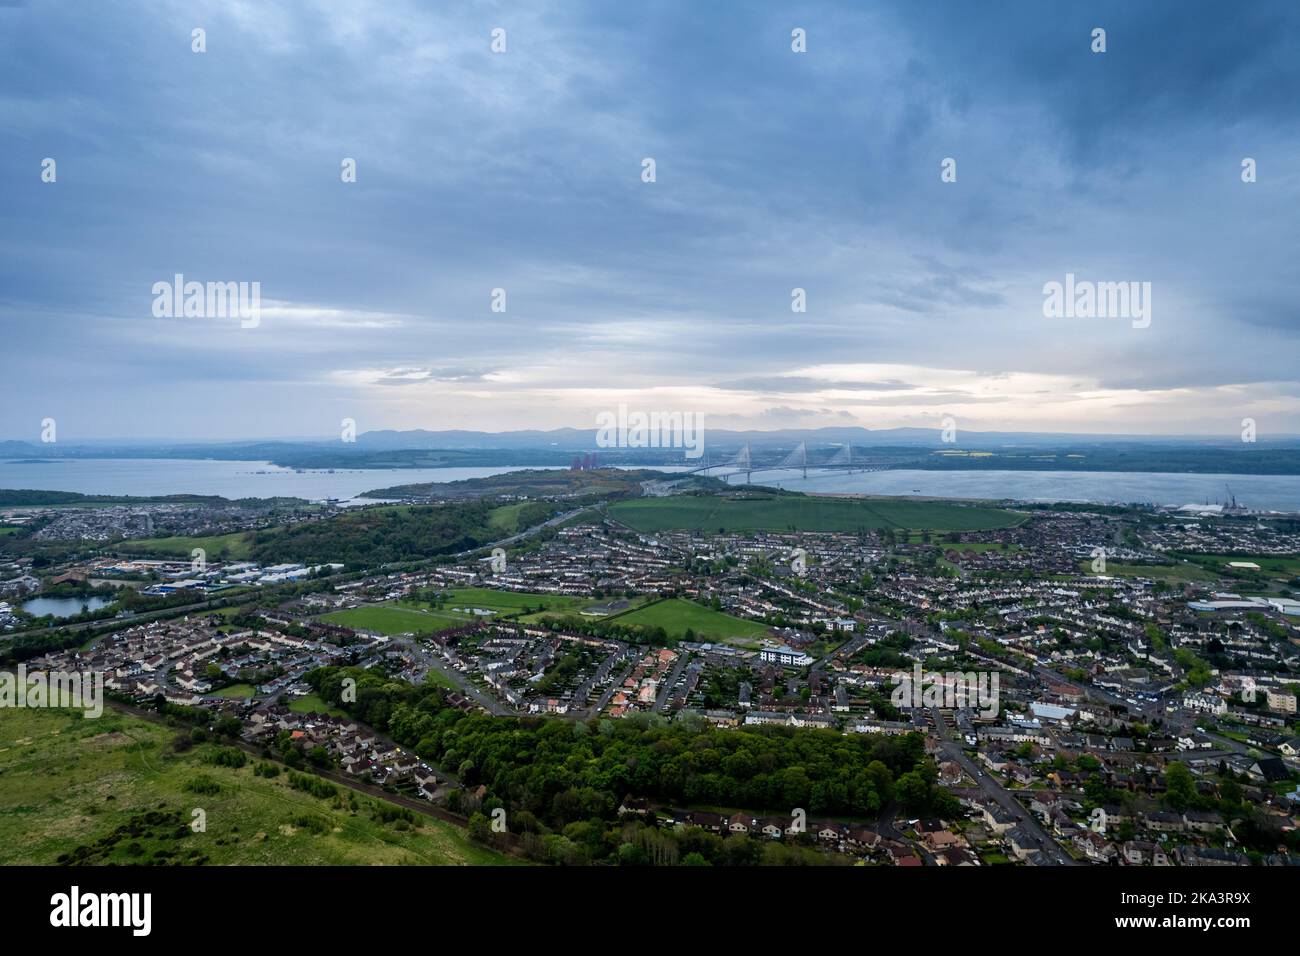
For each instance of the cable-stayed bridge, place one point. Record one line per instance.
(742, 463)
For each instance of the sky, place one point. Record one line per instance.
(523, 171)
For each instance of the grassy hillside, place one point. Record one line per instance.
(112, 790)
(799, 513)
(236, 546)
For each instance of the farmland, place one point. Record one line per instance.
(802, 513)
(114, 790)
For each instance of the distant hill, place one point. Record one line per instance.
(881, 448)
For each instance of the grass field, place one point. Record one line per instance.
(314, 704)
(69, 782)
(511, 602)
(784, 513)
(232, 610)
(506, 518)
(235, 690)
(436, 678)
(675, 615)
(1176, 573)
(389, 619)
(235, 546)
(586, 608)
(1279, 569)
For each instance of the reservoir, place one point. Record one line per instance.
(63, 607)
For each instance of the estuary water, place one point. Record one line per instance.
(260, 479)
(1263, 492)
(230, 479)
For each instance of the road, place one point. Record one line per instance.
(1052, 851)
(529, 532)
(665, 692)
(431, 660)
(613, 688)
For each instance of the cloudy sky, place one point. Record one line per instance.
(522, 171)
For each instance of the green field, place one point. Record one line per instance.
(435, 678)
(586, 608)
(233, 610)
(675, 615)
(389, 619)
(235, 690)
(314, 704)
(511, 602)
(506, 518)
(8, 529)
(67, 782)
(798, 513)
(235, 546)
(1279, 569)
(1175, 573)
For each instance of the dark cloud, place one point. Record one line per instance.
(775, 171)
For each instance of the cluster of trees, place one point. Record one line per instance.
(887, 652)
(550, 773)
(23, 647)
(635, 843)
(1257, 832)
(367, 537)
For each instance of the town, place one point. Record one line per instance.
(1142, 713)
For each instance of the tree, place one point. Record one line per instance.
(631, 855)
(1180, 788)
(912, 791)
(479, 829)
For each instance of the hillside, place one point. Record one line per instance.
(114, 790)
